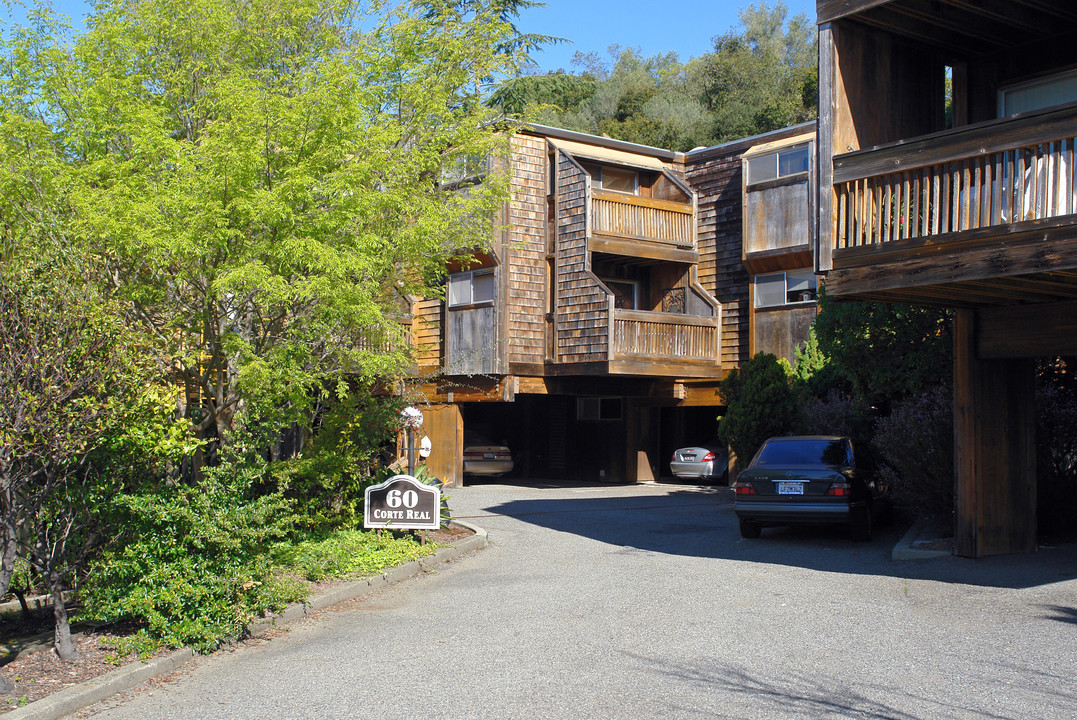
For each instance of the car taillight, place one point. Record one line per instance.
(472, 454)
(743, 489)
(503, 454)
(839, 489)
(709, 457)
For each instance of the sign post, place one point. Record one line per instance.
(412, 419)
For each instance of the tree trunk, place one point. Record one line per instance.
(9, 529)
(62, 643)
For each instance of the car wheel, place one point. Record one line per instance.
(749, 529)
(862, 525)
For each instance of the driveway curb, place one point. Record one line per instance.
(75, 698)
(906, 549)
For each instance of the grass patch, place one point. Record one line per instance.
(349, 553)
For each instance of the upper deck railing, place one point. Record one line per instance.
(621, 215)
(664, 336)
(989, 175)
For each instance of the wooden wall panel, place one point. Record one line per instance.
(444, 426)
(583, 308)
(779, 332)
(776, 217)
(470, 338)
(525, 250)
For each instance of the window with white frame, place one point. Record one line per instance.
(471, 288)
(1038, 94)
(786, 288)
(606, 177)
(792, 160)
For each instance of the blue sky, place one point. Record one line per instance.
(683, 26)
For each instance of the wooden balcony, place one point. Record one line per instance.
(967, 217)
(654, 343)
(645, 227)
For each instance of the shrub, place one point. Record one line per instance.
(835, 414)
(327, 480)
(760, 403)
(915, 445)
(1056, 457)
(191, 562)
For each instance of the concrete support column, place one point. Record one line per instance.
(994, 448)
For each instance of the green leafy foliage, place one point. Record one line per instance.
(885, 351)
(760, 403)
(261, 181)
(350, 553)
(326, 482)
(760, 77)
(191, 562)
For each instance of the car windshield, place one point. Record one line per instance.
(813, 451)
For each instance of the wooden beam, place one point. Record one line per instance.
(1027, 331)
(994, 449)
(980, 256)
(641, 248)
(826, 213)
(830, 10)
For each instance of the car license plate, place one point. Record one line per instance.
(488, 456)
(687, 458)
(790, 488)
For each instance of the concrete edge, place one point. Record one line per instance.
(77, 697)
(905, 551)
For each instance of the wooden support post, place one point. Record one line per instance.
(994, 448)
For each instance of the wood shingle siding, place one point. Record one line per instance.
(583, 305)
(426, 334)
(525, 251)
(717, 180)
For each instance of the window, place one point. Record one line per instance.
(788, 161)
(598, 408)
(615, 179)
(785, 288)
(1038, 94)
(471, 288)
(625, 293)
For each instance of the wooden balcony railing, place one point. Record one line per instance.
(664, 336)
(993, 174)
(639, 218)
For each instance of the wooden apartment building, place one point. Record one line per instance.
(947, 177)
(592, 335)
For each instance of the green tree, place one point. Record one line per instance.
(760, 403)
(764, 77)
(262, 179)
(885, 351)
(65, 381)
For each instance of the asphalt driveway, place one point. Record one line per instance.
(643, 602)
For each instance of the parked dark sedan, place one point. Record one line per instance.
(808, 479)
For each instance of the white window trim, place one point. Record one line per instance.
(468, 277)
(785, 303)
(1025, 85)
(775, 155)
